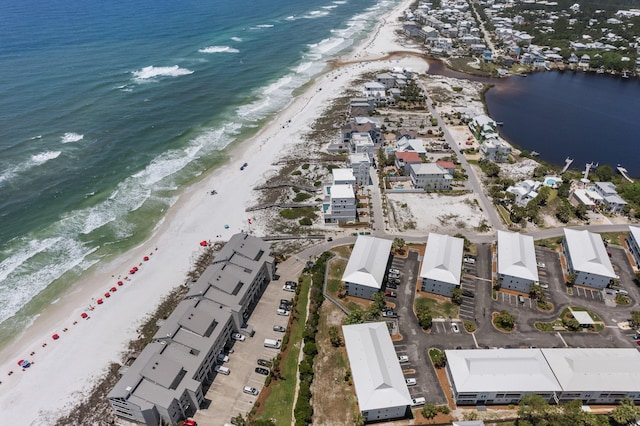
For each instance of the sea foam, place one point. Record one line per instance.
(43, 157)
(71, 137)
(152, 72)
(218, 49)
(237, 39)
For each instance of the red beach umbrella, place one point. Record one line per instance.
(113, 289)
(135, 268)
(84, 315)
(203, 243)
(20, 362)
(120, 283)
(107, 294)
(55, 336)
(132, 271)
(99, 301)
(145, 258)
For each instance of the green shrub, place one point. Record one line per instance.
(305, 166)
(302, 196)
(296, 173)
(305, 221)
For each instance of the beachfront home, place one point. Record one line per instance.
(587, 258)
(362, 142)
(361, 165)
(355, 127)
(633, 242)
(441, 265)
(517, 268)
(496, 150)
(448, 166)
(483, 127)
(613, 202)
(364, 274)
(340, 204)
(430, 177)
(581, 196)
(373, 89)
(414, 145)
(406, 158)
(378, 380)
(364, 103)
(524, 191)
(386, 79)
(343, 177)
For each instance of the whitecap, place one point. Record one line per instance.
(237, 39)
(71, 137)
(218, 49)
(43, 157)
(339, 2)
(261, 26)
(291, 18)
(151, 72)
(316, 14)
(333, 6)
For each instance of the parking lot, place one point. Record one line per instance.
(226, 395)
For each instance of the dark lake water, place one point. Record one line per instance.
(588, 117)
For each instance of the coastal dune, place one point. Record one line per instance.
(64, 370)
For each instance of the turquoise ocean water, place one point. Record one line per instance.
(108, 110)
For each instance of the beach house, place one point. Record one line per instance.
(343, 177)
(633, 242)
(612, 201)
(364, 274)
(340, 204)
(441, 266)
(496, 150)
(524, 191)
(587, 258)
(430, 177)
(483, 127)
(405, 158)
(517, 268)
(378, 379)
(362, 142)
(361, 166)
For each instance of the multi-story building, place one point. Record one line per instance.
(517, 267)
(441, 265)
(495, 150)
(364, 274)
(587, 258)
(361, 165)
(430, 177)
(613, 202)
(340, 204)
(633, 241)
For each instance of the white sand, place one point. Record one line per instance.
(66, 369)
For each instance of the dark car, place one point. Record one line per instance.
(392, 285)
(468, 293)
(243, 166)
(262, 371)
(264, 362)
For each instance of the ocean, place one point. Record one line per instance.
(110, 109)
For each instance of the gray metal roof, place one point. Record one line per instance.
(588, 253)
(368, 262)
(443, 259)
(517, 256)
(377, 376)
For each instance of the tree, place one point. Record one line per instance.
(438, 358)
(604, 173)
(533, 408)
(505, 320)
(625, 413)
(564, 212)
(429, 411)
(456, 297)
(397, 245)
(571, 279)
(571, 324)
(536, 292)
(334, 336)
(425, 319)
(635, 318)
(356, 316)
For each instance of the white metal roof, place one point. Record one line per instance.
(595, 369)
(517, 256)
(500, 370)
(428, 169)
(342, 191)
(343, 175)
(442, 259)
(587, 253)
(368, 262)
(583, 317)
(635, 233)
(377, 375)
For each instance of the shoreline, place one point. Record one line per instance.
(65, 369)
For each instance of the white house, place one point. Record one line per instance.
(483, 127)
(430, 177)
(343, 177)
(633, 241)
(362, 142)
(377, 376)
(587, 258)
(441, 266)
(405, 144)
(386, 79)
(373, 89)
(340, 204)
(612, 200)
(360, 163)
(365, 271)
(517, 268)
(496, 150)
(499, 376)
(525, 191)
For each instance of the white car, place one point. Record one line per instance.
(283, 312)
(541, 265)
(417, 402)
(403, 358)
(394, 271)
(223, 358)
(250, 390)
(237, 336)
(222, 370)
(469, 260)
(543, 285)
(411, 382)
(287, 287)
(455, 327)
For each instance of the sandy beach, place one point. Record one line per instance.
(64, 370)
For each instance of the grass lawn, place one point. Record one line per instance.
(615, 238)
(279, 404)
(550, 243)
(504, 214)
(343, 251)
(336, 269)
(437, 308)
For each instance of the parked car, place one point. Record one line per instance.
(468, 293)
(264, 362)
(282, 312)
(636, 337)
(394, 276)
(392, 285)
(250, 390)
(455, 328)
(222, 370)
(394, 271)
(279, 328)
(390, 293)
(262, 371)
(469, 260)
(541, 265)
(622, 292)
(389, 314)
(330, 239)
(223, 358)
(411, 382)
(543, 285)
(244, 166)
(403, 358)
(287, 287)
(418, 402)
(292, 284)
(239, 337)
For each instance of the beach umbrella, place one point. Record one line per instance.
(145, 258)
(203, 243)
(55, 336)
(120, 283)
(84, 315)
(107, 294)
(20, 362)
(99, 301)
(24, 363)
(113, 289)
(135, 268)
(132, 271)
